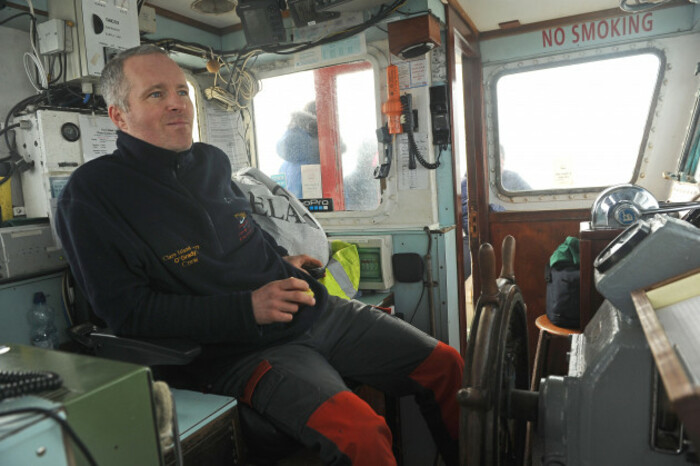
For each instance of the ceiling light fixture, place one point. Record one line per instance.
(213, 7)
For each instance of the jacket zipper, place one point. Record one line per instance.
(209, 221)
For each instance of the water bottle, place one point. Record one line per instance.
(43, 331)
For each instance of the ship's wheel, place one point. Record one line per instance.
(495, 400)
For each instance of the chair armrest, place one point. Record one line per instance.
(147, 352)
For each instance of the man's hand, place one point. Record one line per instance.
(278, 301)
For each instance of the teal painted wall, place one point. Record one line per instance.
(589, 34)
(412, 299)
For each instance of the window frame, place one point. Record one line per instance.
(690, 162)
(555, 62)
(197, 104)
(331, 162)
(285, 67)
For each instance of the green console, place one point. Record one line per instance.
(108, 404)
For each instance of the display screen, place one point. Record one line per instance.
(262, 22)
(370, 264)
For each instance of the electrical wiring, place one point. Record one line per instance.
(61, 68)
(8, 128)
(34, 55)
(430, 246)
(24, 13)
(194, 48)
(420, 299)
(176, 45)
(62, 422)
(414, 152)
(243, 82)
(240, 85)
(43, 84)
(21, 105)
(18, 383)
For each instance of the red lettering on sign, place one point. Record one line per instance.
(596, 30)
(574, 31)
(602, 31)
(559, 36)
(613, 27)
(547, 38)
(633, 23)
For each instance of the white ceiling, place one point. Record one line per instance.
(486, 14)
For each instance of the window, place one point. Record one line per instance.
(691, 154)
(315, 134)
(195, 120)
(575, 126)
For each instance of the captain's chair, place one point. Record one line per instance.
(261, 442)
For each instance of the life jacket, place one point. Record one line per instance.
(343, 270)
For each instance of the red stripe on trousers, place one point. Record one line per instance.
(258, 373)
(351, 424)
(441, 372)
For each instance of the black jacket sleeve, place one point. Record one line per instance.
(107, 267)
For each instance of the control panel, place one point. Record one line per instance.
(100, 30)
(55, 143)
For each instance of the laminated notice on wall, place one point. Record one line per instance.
(311, 187)
(418, 178)
(413, 73)
(352, 46)
(98, 136)
(224, 130)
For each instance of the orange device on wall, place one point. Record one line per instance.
(392, 107)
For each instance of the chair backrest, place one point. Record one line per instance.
(91, 335)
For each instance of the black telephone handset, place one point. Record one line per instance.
(13, 384)
(408, 128)
(439, 111)
(383, 137)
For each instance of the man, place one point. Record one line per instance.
(511, 180)
(163, 245)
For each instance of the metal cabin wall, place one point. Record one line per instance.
(675, 31)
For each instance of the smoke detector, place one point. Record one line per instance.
(213, 7)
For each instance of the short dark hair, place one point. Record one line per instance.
(114, 86)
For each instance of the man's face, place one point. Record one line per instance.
(160, 109)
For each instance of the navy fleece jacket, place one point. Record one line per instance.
(164, 245)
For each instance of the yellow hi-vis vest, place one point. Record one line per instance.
(343, 270)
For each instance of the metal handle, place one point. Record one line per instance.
(508, 259)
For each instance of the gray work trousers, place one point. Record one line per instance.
(300, 385)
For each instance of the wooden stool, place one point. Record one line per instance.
(547, 331)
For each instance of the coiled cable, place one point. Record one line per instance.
(13, 384)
